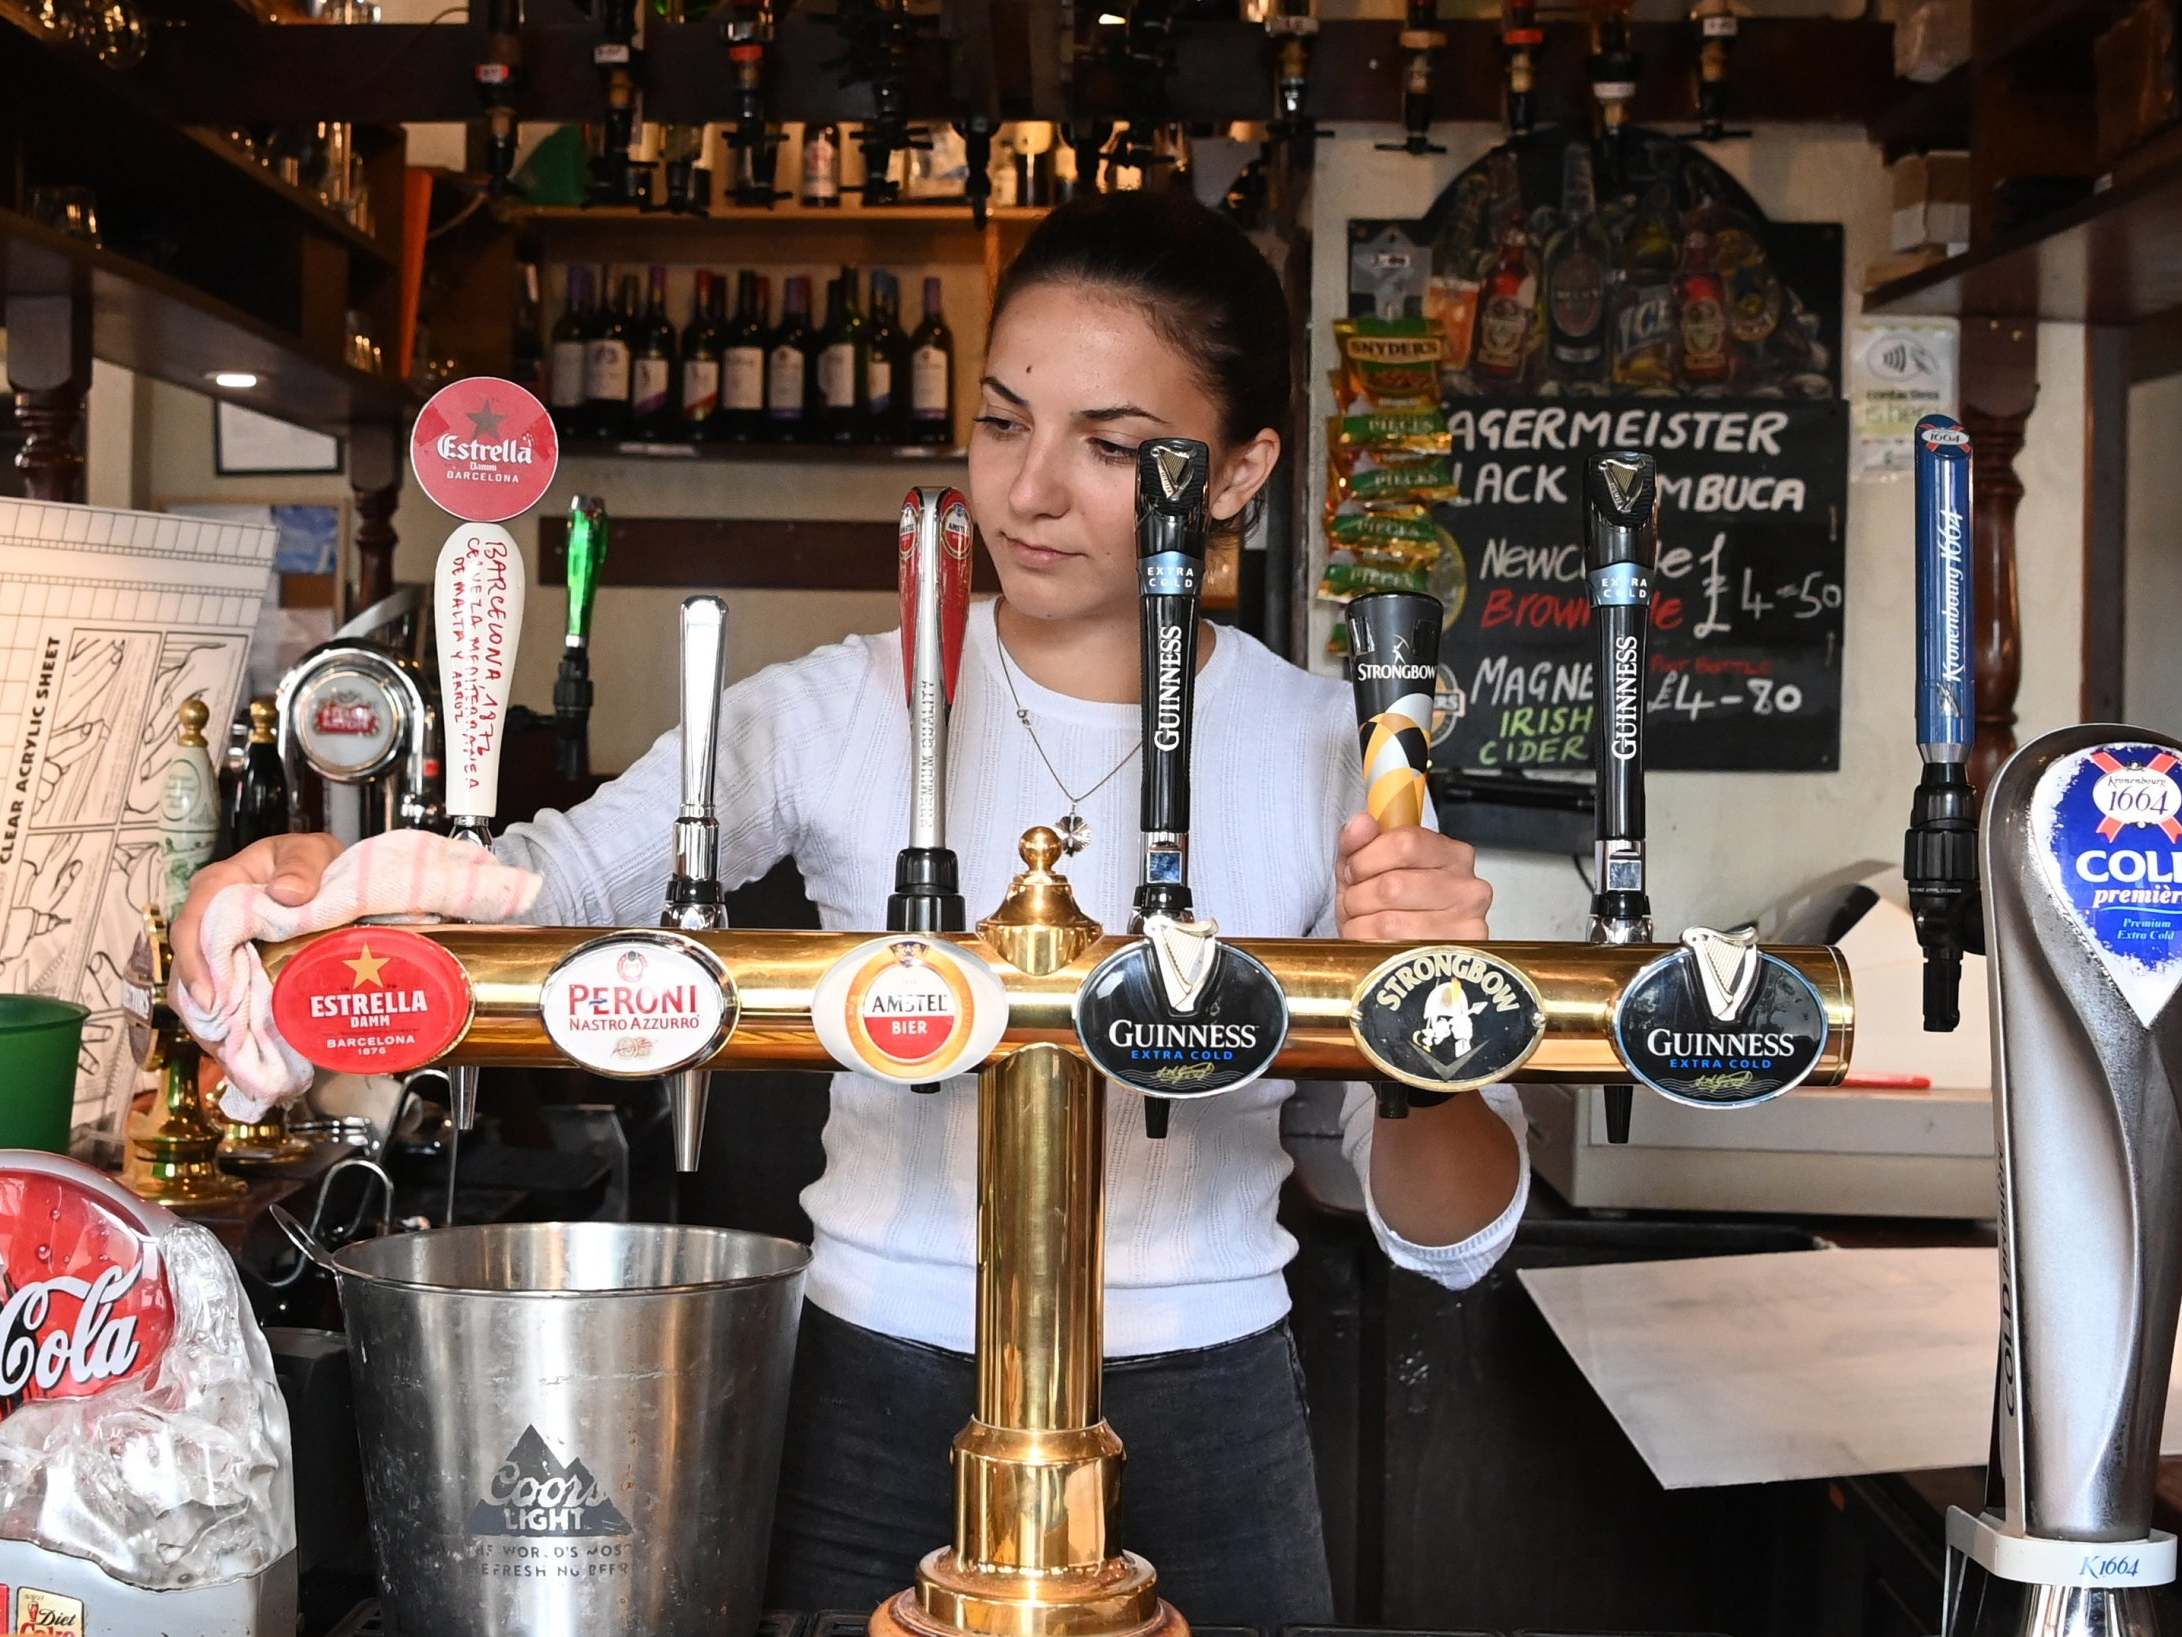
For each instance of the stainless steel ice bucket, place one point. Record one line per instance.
(571, 1429)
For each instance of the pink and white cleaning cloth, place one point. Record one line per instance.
(402, 875)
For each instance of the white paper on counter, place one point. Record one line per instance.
(1803, 1364)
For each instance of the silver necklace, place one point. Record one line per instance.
(1074, 829)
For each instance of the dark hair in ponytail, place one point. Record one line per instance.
(1204, 286)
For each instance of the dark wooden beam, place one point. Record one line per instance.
(1999, 387)
(706, 553)
(2106, 519)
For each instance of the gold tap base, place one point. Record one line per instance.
(1117, 1598)
(172, 1154)
(262, 1141)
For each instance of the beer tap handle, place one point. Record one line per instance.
(572, 694)
(478, 596)
(1621, 531)
(695, 902)
(1939, 852)
(934, 558)
(1172, 476)
(1394, 641)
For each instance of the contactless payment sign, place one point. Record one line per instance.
(639, 1004)
(484, 449)
(372, 1000)
(2107, 823)
(909, 1009)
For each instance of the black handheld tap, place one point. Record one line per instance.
(1621, 538)
(1172, 476)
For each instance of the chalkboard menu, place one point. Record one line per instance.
(1581, 297)
(1746, 644)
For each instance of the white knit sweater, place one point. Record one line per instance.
(814, 765)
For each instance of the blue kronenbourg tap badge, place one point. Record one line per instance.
(1945, 710)
(2107, 823)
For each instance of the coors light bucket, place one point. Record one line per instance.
(146, 1484)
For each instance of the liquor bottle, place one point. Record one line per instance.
(889, 358)
(1505, 309)
(843, 349)
(742, 364)
(702, 345)
(1701, 302)
(1643, 318)
(932, 374)
(258, 806)
(821, 167)
(789, 364)
(526, 352)
(565, 374)
(1575, 274)
(189, 811)
(606, 366)
(651, 391)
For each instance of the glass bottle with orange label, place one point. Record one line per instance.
(1701, 307)
(1505, 309)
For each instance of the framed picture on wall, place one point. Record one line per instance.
(248, 444)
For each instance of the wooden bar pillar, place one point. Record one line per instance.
(49, 368)
(1999, 386)
(375, 474)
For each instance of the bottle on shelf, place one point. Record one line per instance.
(257, 804)
(889, 358)
(527, 351)
(1643, 317)
(565, 367)
(1505, 310)
(790, 363)
(844, 348)
(1576, 265)
(1701, 304)
(606, 363)
(702, 346)
(932, 374)
(742, 363)
(821, 167)
(651, 385)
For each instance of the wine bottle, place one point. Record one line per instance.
(259, 807)
(651, 391)
(701, 348)
(565, 369)
(932, 374)
(843, 351)
(888, 360)
(742, 364)
(526, 352)
(789, 365)
(606, 366)
(821, 167)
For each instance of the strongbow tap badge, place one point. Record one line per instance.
(909, 1009)
(1447, 1018)
(484, 449)
(2107, 825)
(372, 1000)
(639, 1004)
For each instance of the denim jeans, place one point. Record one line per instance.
(1218, 1490)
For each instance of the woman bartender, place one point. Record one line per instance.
(1126, 316)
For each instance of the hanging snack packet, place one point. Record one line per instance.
(1409, 431)
(1390, 363)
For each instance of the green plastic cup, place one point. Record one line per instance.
(39, 1040)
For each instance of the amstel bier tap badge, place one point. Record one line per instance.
(909, 1009)
(639, 1004)
(372, 1000)
(1447, 1018)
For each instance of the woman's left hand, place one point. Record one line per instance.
(1410, 886)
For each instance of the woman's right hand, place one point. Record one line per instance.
(288, 867)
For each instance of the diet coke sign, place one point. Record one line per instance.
(85, 1302)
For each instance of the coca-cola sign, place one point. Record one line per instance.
(484, 449)
(85, 1302)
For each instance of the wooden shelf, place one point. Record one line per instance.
(2048, 24)
(156, 325)
(859, 454)
(2115, 258)
(322, 217)
(570, 218)
(1924, 117)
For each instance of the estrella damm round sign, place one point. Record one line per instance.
(909, 1009)
(1447, 1018)
(372, 1000)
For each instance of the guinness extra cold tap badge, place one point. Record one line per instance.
(1720, 1022)
(1181, 1014)
(1447, 1018)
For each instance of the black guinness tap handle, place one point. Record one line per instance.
(1172, 475)
(1621, 539)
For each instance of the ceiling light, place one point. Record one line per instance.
(235, 380)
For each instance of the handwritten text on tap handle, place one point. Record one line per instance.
(479, 649)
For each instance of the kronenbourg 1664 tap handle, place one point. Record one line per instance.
(934, 555)
(478, 590)
(1172, 475)
(1394, 642)
(2084, 957)
(1621, 538)
(1939, 853)
(695, 900)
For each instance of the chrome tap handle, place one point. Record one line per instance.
(696, 827)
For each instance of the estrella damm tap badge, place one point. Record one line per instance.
(2107, 825)
(638, 1004)
(909, 1009)
(1447, 1018)
(372, 1000)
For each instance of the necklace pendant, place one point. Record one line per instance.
(1075, 833)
